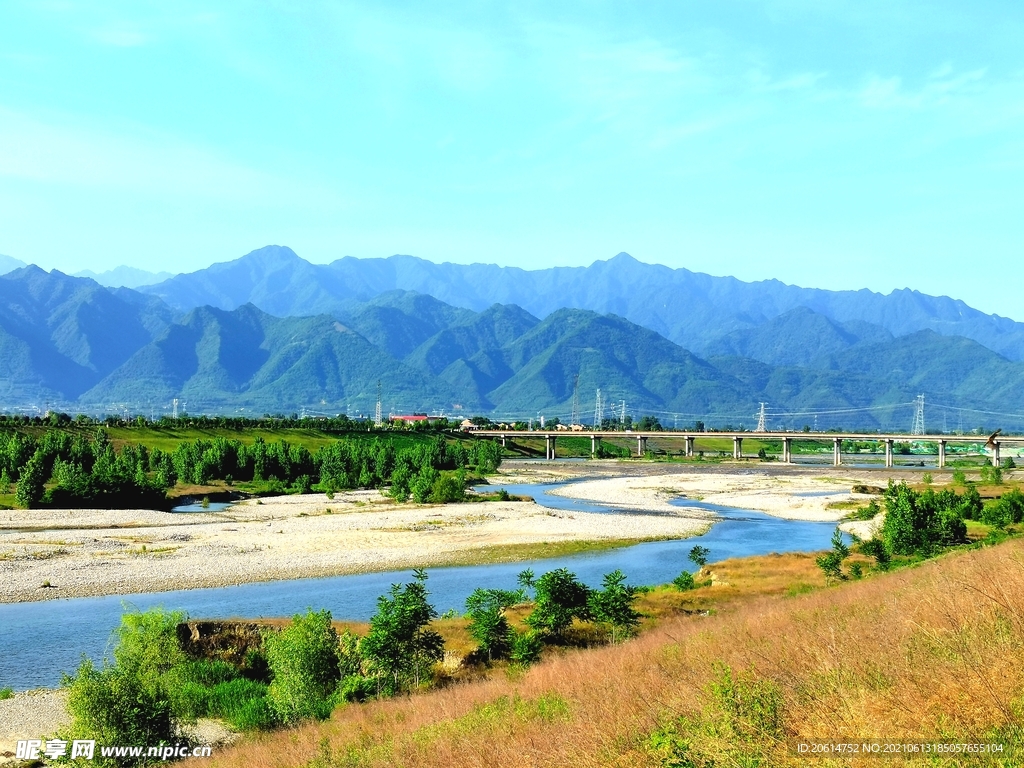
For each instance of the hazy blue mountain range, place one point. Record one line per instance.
(9, 264)
(59, 335)
(124, 277)
(692, 309)
(71, 341)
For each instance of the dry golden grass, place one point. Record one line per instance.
(930, 652)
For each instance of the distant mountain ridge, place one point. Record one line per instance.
(75, 344)
(9, 264)
(125, 277)
(692, 309)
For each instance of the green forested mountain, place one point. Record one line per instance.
(70, 342)
(60, 335)
(216, 360)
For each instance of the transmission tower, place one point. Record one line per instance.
(174, 403)
(575, 401)
(598, 410)
(918, 428)
(622, 412)
(377, 416)
(761, 426)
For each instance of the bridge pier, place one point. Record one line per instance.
(995, 453)
(594, 441)
(787, 450)
(549, 444)
(888, 453)
(503, 440)
(942, 453)
(837, 451)
(689, 447)
(641, 446)
(737, 447)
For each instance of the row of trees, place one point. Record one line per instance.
(152, 687)
(920, 525)
(87, 471)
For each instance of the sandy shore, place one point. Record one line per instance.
(809, 496)
(93, 552)
(47, 554)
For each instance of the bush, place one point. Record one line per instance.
(113, 706)
(526, 648)
(1006, 510)
(6, 693)
(255, 714)
(233, 700)
(684, 581)
(449, 487)
(304, 660)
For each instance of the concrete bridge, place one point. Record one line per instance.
(787, 438)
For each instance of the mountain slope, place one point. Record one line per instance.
(63, 334)
(689, 308)
(799, 337)
(610, 353)
(216, 359)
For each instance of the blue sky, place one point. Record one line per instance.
(824, 143)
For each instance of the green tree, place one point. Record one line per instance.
(488, 624)
(559, 597)
(612, 605)
(31, 482)
(305, 663)
(400, 648)
(128, 702)
(699, 556)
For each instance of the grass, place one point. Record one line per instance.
(6, 693)
(932, 652)
(510, 553)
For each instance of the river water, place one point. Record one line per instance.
(40, 640)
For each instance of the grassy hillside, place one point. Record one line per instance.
(934, 653)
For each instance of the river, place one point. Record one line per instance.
(40, 640)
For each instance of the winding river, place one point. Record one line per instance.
(40, 640)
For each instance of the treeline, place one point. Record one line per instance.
(153, 687)
(73, 470)
(921, 524)
(340, 424)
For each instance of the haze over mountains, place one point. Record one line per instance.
(271, 332)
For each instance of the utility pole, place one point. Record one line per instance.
(761, 426)
(598, 411)
(377, 416)
(575, 401)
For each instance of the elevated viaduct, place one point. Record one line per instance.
(836, 438)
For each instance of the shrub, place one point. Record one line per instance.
(233, 700)
(684, 581)
(303, 658)
(6, 693)
(526, 648)
(113, 706)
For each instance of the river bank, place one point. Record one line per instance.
(48, 554)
